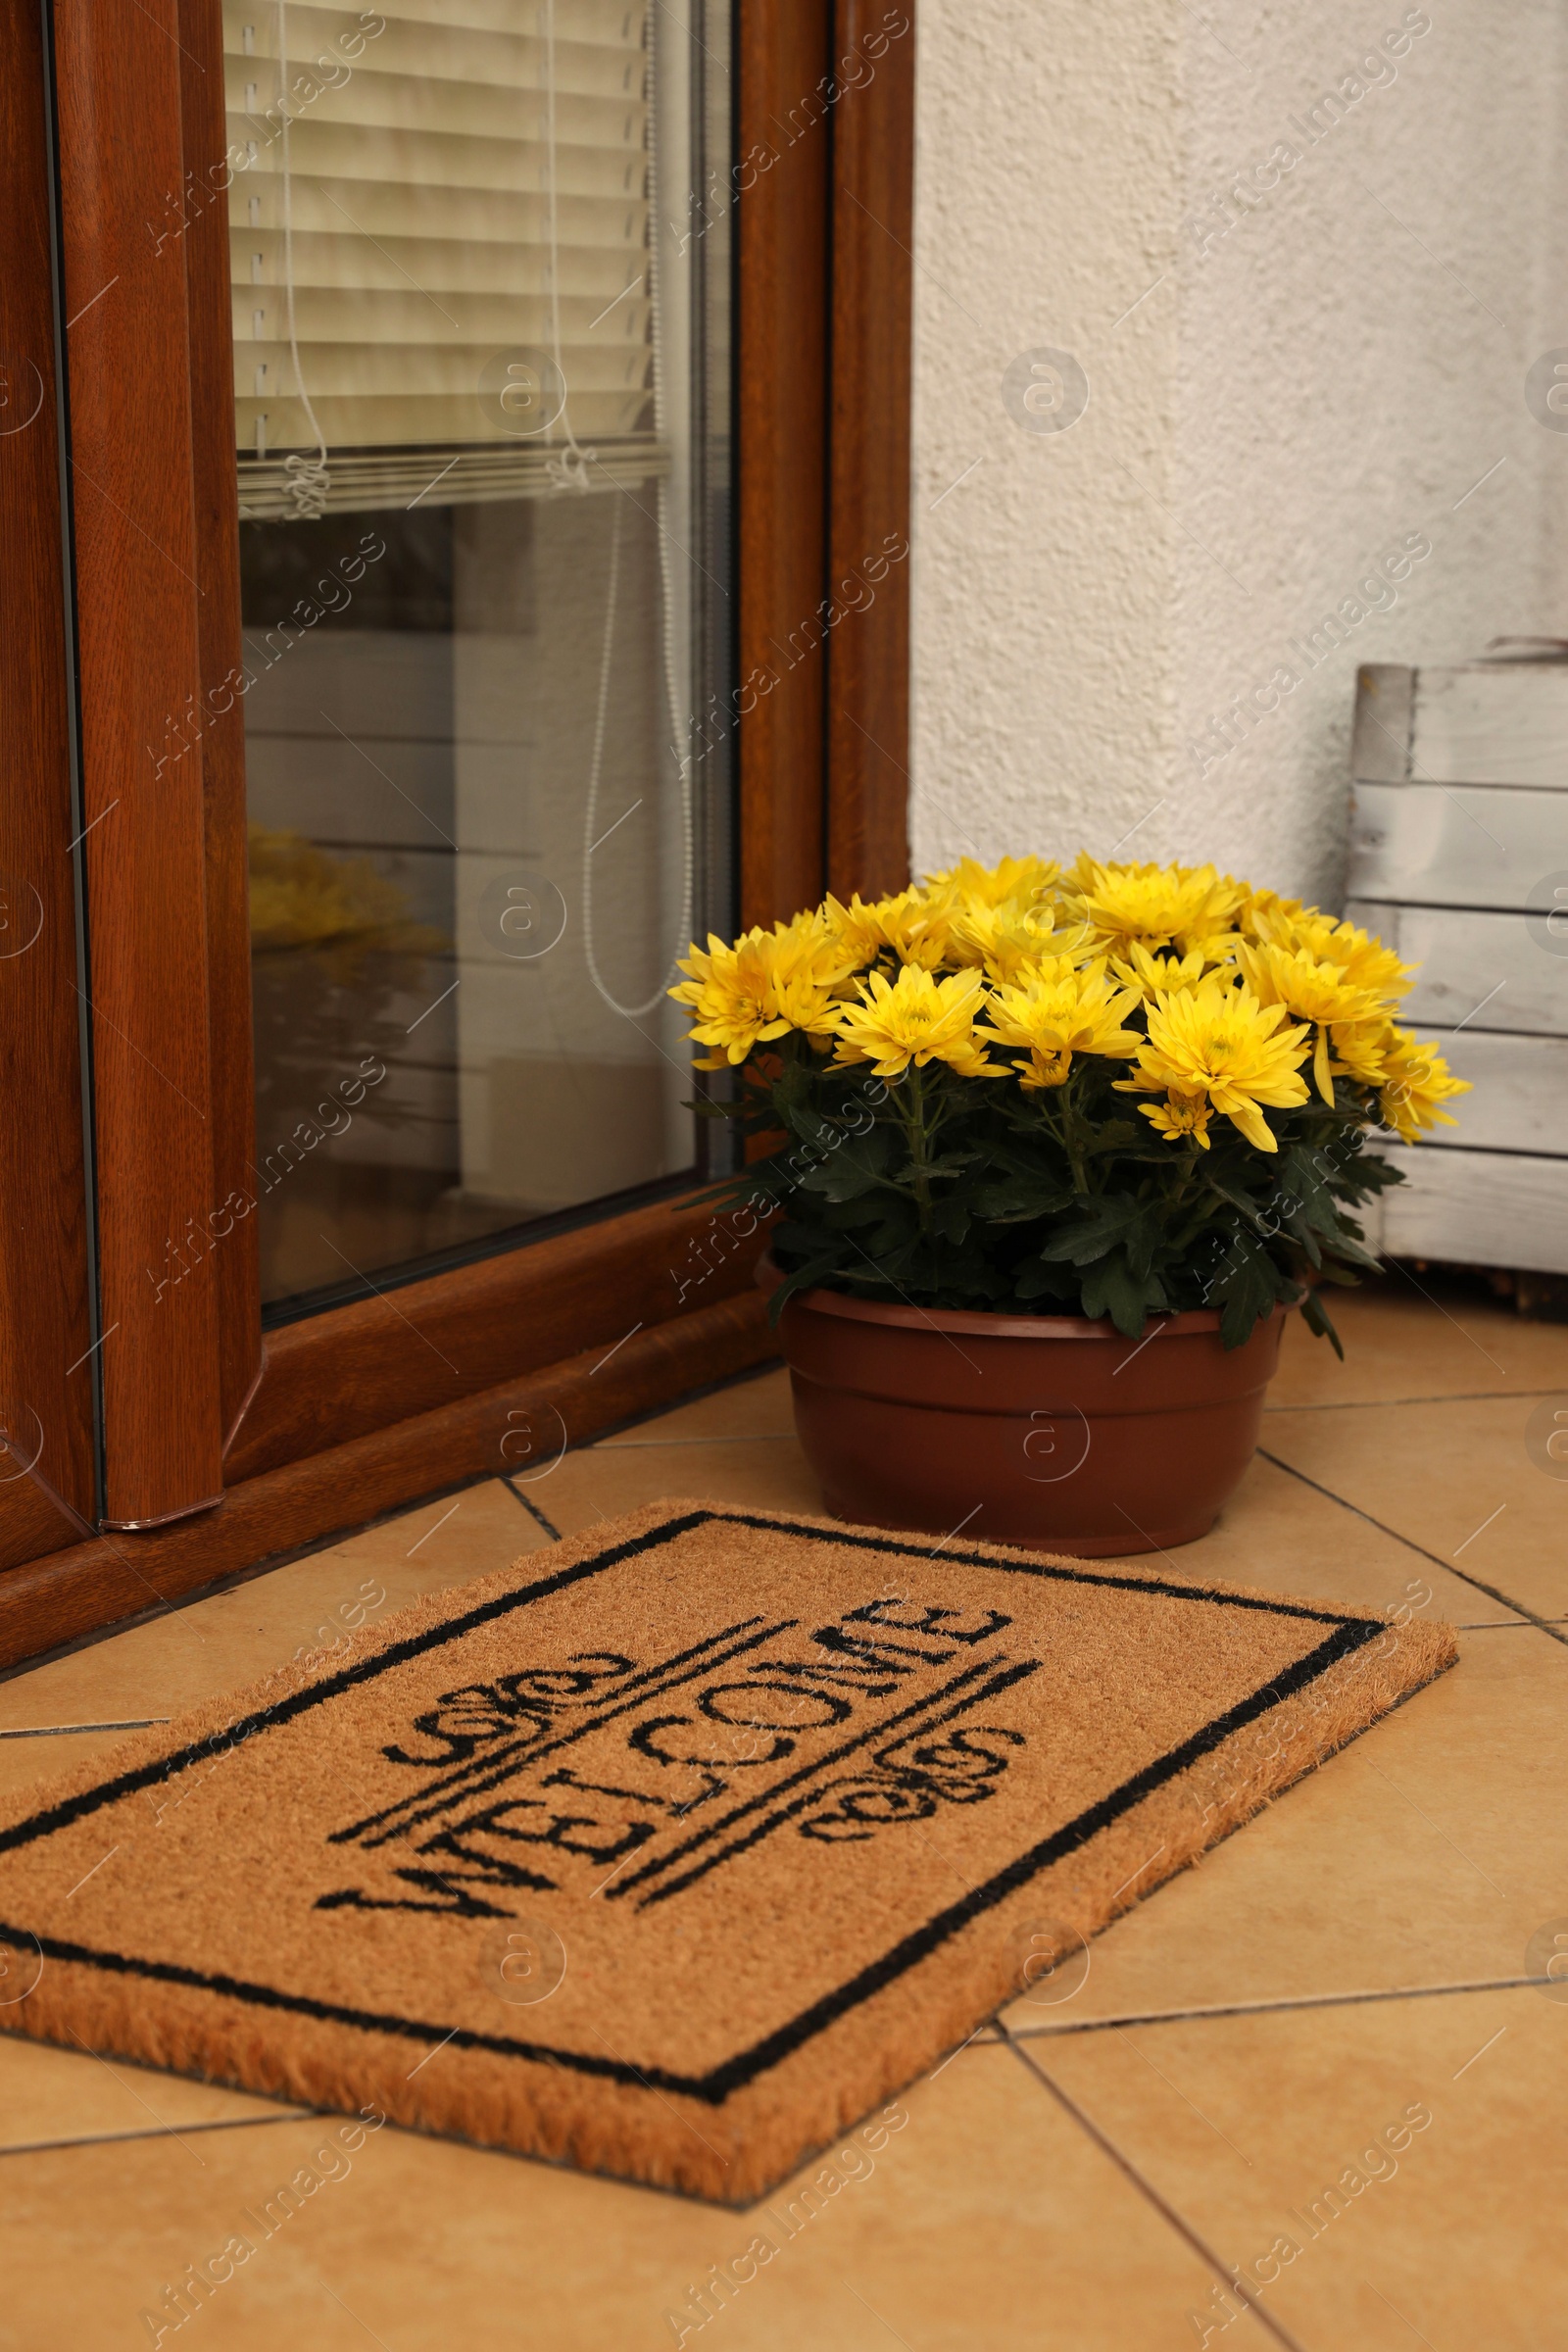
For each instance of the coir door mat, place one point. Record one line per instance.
(670, 1852)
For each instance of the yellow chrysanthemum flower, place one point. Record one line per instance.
(916, 1018)
(1154, 975)
(1181, 1115)
(1062, 1012)
(730, 990)
(1263, 915)
(805, 1003)
(768, 983)
(913, 924)
(1310, 991)
(1009, 941)
(1218, 1041)
(1361, 1049)
(1365, 961)
(1240, 989)
(1024, 881)
(1154, 906)
(1416, 1080)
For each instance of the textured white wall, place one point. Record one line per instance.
(1311, 380)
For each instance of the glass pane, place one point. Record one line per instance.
(480, 379)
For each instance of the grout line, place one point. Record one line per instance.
(532, 1509)
(1362, 1404)
(1491, 1592)
(1146, 2188)
(100, 2139)
(1291, 2001)
(1501, 1625)
(235, 1580)
(55, 1731)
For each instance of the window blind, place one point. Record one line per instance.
(420, 193)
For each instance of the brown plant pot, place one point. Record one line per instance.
(1046, 1431)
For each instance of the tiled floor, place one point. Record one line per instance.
(1070, 2180)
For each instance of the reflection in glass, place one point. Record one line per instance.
(478, 360)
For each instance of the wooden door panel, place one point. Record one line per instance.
(202, 222)
(335, 1377)
(46, 1369)
(360, 1409)
(869, 554)
(121, 164)
(783, 146)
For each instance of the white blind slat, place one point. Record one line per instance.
(424, 105)
(454, 198)
(463, 328)
(368, 152)
(251, 79)
(453, 265)
(375, 209)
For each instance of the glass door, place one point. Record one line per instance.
(479, 336)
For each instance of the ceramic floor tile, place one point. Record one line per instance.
(601, 1481)
(23, 1762)
(1281, 1536)
(758, 1405)
(1260, 2129)
(1403, 1345)
(233, 1637)
(1427, 1852)
(987, 2222)
(48, 2095)
(448, 1541)
(1456, 1475)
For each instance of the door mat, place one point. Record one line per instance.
(675, 1859)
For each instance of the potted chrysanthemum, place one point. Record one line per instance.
(1056, 1153)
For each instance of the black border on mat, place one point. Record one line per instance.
(1350, 1633)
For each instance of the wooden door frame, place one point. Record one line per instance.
(47, 1362)
(365, 1407)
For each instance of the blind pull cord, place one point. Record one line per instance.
(680, 737)
(567, 468)
(308, 477)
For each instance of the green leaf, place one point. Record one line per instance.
(1245, 1290)
(853, 1165)
(1242, 1201)
(1296, 1223)
(1372, 1173)
(1115, 1136)
(1037, 1280)
(1130, 1297)
(1102, 1224)
(1315, 1315)
(1021, 1200)
(951, 1219)
(1350, 1246)
(803, 1277)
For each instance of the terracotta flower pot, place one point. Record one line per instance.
(1047, 1430)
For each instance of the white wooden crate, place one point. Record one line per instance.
(1433, 845)
(1482, 969)
(1474, 1209)
(1459, 847)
